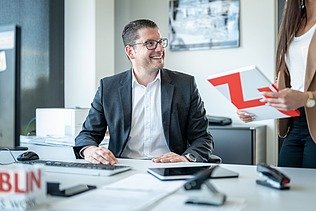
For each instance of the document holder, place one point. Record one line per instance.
(274, 178)
(53, 189)
(215, 198)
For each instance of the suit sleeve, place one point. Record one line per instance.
(200, 140)
(94, 127)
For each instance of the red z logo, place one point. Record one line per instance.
(236, 93)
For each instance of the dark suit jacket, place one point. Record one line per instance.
(183, 115)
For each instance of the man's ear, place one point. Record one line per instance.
(129, 50)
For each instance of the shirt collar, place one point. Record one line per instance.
(135, 82)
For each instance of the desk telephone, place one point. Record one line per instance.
(218, 120)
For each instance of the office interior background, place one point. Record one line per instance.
(69, 45)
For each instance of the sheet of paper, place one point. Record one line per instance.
(136, 192)
(3, 61)
(146, 182)
(110, 199)
(178, 203)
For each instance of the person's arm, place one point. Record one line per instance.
(200, 140)
(94, 127)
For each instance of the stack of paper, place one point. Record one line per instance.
(136, 192)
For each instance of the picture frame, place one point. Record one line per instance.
(204, 24)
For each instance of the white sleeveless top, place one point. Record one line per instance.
(296, 58)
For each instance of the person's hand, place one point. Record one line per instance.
(170, 157)
(245, 117)
(285, 99)
(96, 155)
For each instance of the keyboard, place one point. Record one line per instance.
(79, 168)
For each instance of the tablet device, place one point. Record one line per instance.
(187, 172)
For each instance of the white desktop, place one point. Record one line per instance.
(136, 187)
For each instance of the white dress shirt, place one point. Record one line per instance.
(146, 138)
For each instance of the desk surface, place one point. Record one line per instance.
(242, 191)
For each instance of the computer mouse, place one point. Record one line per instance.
(28, 155)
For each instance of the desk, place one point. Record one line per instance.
(301, 196)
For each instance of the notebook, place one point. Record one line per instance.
(242, 87)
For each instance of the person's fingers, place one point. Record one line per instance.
(91, 159)
(245, 116)
(169, 158)
(271, 94)
(100, 155)
(107, 155)
(165, 156)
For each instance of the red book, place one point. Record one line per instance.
(243, 87)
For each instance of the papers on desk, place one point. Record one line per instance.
(178, 203)
(146, 182)
(48, 141)
(55, 140)
(136, 192)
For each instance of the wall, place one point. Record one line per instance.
(89, 48)
(42, 53)
(257, 37)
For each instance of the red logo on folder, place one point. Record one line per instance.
(243, 86)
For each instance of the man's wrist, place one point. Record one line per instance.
(82, 150)
(190, 157)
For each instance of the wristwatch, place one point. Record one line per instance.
(310, 101)
(190, 157)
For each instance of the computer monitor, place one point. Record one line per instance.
(10, 57)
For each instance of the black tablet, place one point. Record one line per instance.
(187, 172)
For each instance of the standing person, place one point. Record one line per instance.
(296, 71)
(150, 112)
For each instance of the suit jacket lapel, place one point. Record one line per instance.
(126, 102)
(311, 62)
(167, 89)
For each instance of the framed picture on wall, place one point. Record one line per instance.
(203, 24)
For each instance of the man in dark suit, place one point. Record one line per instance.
(150, 112)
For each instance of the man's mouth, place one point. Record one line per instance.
(157, 57)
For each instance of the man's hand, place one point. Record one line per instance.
(97, 155)
(170, 157)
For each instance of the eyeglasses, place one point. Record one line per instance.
(152, 44)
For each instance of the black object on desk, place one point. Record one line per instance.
(28, 155)
(53, 189)
(218, 120)
(274, 178)
(216, 198)
(188, 172)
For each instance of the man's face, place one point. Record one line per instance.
(144, 59)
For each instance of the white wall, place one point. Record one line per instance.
(257, 38)
(89, 48)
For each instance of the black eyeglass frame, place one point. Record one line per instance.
(163, 42)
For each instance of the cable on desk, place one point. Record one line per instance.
(7, 149)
